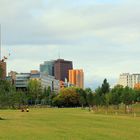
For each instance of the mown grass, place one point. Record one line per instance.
(66, 124)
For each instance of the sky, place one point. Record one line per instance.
(102, 37)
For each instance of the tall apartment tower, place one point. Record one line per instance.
(2, 70)
(47, 68)
(129, 80)
(76, 77)
(61, 69)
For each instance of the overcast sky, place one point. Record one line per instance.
(100, 36)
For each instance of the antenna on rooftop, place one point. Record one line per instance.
(59, 53)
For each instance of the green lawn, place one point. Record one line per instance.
(66, 124)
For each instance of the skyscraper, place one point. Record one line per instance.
(47, 68)
(61, 69)
(76, 78)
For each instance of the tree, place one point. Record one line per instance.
(116, 94)
(82, 99)
(137, 95)
(99, 98)
(108, 99)
(105, 87)
(47, 95)
(34, 91)
(127, 97)
(68, 97)
(89, 97)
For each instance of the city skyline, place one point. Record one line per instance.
(101, 37)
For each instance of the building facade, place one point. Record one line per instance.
(61, 69)
(34, 75)
(21, 81)
(137, 86)
(3, 70)
(129, 80)
(47, 68)
(76, 77)
(50, 81)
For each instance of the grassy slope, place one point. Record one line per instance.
(66, 124)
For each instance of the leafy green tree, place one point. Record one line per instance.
(116, 94)
(127, 97)
(47, 95)
(68, 97)
(7, 94)
(137, 95)
(82, 99)
(34, 91)
(89, 97)
(99, 98)
(105, 87)
(108, 99)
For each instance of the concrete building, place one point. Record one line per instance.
(47, 68)
(34, 75)
(129, 80)
(76, 77)
(34, 71)
(21, 81)
(3, 70)
(50, 81)
(61, 69)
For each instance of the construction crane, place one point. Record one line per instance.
(5, 58)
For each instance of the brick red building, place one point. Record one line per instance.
(61, 69)
(3, 69)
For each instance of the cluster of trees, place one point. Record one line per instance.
(67, 97)
(103, 96)
(10, 97)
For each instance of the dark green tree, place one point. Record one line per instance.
(89, 97)
(82, 99)
(137, 95)
(116, 94)
(127, 97)
(105, 87)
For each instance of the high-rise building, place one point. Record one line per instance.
(61, 69)
(47, 68)
(2, 69)
(129, 80)
(76, 78)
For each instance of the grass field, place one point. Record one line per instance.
(66, 124)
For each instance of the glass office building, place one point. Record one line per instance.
(47, 68)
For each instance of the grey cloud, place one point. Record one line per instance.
(57, 24)
(103, 39)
